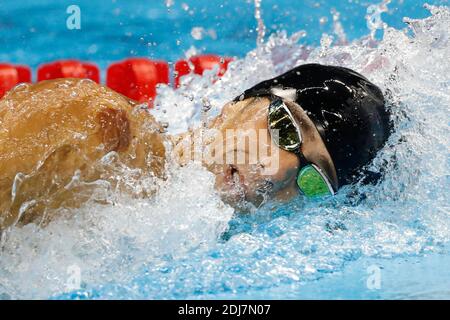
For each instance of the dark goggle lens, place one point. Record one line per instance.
(282, 127)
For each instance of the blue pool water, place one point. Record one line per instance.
(33, 32)
(386, 241)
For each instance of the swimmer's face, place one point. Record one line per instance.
(255, 169)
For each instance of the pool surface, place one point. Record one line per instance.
(388, 241)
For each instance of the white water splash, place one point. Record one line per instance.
(261, 28)
(373, 17)
(167, 247)
(107, 243)
(338, 28)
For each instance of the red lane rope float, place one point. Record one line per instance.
(11, 75)
(137, 78)
(198, 64)
(68, 69)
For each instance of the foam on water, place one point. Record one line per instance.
(185, 243)
(112, 242)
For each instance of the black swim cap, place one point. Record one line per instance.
(347, 109)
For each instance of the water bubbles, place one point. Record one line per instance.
(166, 245)
(21, 87)
(212, 34)
(165, 126)
(296, 36)
(92, 49)
(261, 28)
(206, 104)
(185, 6)
(337, 27)
(377, 220)
(197, 33)
(421, 29)
(373, 17)
(325, 43)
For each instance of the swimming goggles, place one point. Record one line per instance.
(286, 134)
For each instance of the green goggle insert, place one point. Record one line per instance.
(312, 182)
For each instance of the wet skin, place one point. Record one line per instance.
(55, 129)
(253, 184)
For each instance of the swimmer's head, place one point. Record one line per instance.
(254, 168)
(343, 123)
